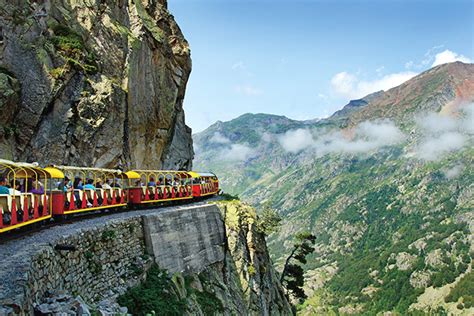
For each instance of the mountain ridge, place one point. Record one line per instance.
(386, 187)
(464, 70)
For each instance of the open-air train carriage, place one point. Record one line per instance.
(29, 197)
(154, 186)
(36, 194)
(204, 183)
(84, 189)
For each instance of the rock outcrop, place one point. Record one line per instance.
(98, 83)
(262, 290)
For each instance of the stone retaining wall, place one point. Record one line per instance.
(101, 262)
(94, 264)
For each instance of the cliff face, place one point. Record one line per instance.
(212, 267)
(93, 83)
(261, 287)
(222, 254)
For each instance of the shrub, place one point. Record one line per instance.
(154, 295)
(229, 197)
(269, 221)
(210, 304)
(74, 50)
(108, 235)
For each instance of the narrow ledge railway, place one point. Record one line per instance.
(32, 197)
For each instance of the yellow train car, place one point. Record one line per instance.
(83, 189)
(25, 194)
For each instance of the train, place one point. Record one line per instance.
(37, 194)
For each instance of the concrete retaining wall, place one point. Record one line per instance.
(185, 241)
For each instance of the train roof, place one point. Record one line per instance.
(195, 174)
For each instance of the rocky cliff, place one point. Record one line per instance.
(93, 83)
(220, 262)
(217, 263)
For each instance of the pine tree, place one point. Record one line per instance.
(293, 274)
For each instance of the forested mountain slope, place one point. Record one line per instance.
(386, 185)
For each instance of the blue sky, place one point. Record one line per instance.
(306, 59)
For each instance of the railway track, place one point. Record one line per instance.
(72, 219)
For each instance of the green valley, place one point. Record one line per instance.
(386, 185)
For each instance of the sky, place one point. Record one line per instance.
(306, 59)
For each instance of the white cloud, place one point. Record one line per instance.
(237, 152)
(238, 65)
(380, 70)
(454, 172)
(448, 56)
(348, 85)
(229, 151)
(433, 148)
(368, 136)
(218, 138)
(322, 96)
(382, 133)
(443, 134)
(436, 123)
(267, 137)
(343, 84)
(429, 56)
(467, 124)
(294, 141)
(438, 135)
(434, 57)
(248, 90)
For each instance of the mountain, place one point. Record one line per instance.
(237, 150)
(386, 184)
(96, 83)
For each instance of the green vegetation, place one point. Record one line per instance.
(67, 40)
(464, 289)
(292, 276)
(7, 72)
(208, 302)
(164, 295)
(136, 270)
(10, 130)
(155, 294)
(387, 223)
(56, 73)
(71, 46)
(94, 266)
(268, 221)
(229, 197)
(108, 235)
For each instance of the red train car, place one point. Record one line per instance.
(32, 194)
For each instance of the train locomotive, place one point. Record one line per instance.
(37, 194)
